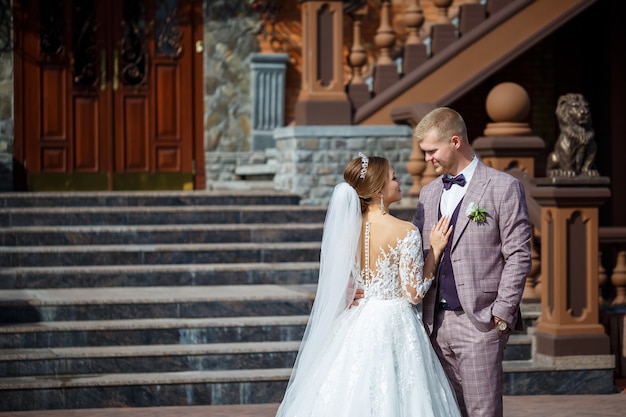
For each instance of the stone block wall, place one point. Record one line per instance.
(6, 121)
(311, 159)
(230, 40)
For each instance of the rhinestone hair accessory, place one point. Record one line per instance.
(364, 162)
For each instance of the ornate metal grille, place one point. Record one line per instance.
(6, 26)
(167, 33)
(134, 51)
(85, 56)
(51, 40)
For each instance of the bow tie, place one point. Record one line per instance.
(458, 180)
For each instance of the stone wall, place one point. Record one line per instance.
(311, 159)
(230, 38)
(6, 121)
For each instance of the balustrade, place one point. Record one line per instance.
(425, 34)
(612, 273)
(612, 282)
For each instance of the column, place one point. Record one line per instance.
(267, 97)
(322, 99)
(569, 324)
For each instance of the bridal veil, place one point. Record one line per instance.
(335, 291)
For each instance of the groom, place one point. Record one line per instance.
(473, 305)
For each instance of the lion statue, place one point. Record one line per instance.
(575, 149)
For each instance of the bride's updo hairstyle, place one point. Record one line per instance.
(374, 181)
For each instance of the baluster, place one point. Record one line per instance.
(414, 50)
(537, 278)
(530, 295)
(421, 172)
(416, 166)
(618, 278)
(385, 71)
(442, 10)
(442, 32)
(358, 92)
(538, 286)
(429, 174)
(602, 278)
(471, 14)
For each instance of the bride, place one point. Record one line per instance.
(371, 358)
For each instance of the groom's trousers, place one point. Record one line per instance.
(472, 361)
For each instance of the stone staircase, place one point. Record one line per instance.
(153, 299)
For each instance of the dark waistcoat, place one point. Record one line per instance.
(447, 284)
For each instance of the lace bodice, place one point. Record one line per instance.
(396, 268)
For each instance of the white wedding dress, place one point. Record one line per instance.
(377, 360)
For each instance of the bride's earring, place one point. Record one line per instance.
(382, 204)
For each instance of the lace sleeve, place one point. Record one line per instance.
(410, 268)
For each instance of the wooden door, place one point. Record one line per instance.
(108, 94)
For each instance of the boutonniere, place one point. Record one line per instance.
(475, 213)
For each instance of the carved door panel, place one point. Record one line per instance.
(106, 94)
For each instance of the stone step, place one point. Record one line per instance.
(171, 358)
(143, 389)
(119, 303)
(148, 198)
(153, 215)
(149, 215)
(149, 299)
(160, 233)
(576, 376)
(531, 311)
(245, 386)
(157, 331)
(519, 347)
(179, 331)
(142, 358)
(247, 184)
(158, 254)
(158, 275)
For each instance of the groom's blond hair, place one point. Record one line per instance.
(444, 121)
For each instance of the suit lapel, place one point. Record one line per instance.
(475, 190)
(433, 216)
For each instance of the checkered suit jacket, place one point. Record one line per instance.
(492, 259)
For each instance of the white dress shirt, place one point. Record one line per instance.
(451, 198)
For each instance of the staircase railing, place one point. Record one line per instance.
(431, 37)
(432, 51)
(428, 44)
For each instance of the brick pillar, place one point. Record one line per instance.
(322, 99)
(569, 323)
